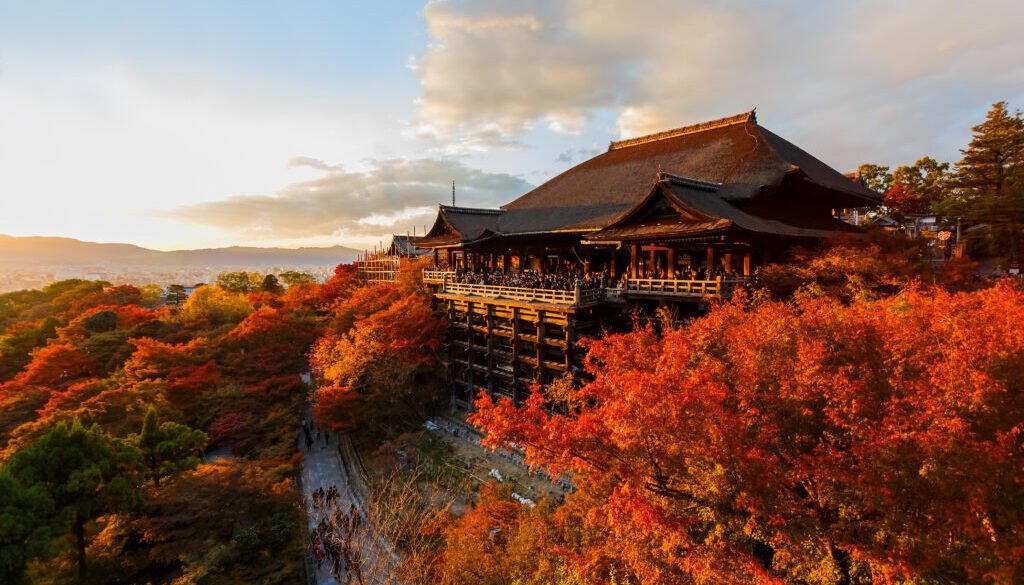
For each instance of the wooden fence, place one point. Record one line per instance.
(718, 287)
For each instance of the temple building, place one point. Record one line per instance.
(673, 218)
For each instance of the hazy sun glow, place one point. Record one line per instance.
(177, 126)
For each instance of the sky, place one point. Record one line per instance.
(195, 124)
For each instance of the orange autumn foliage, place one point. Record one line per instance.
(56, 366)
(387, 343)
(341, 285)
(830, 442)
(124, 317)
(336, 407)
(154, 359)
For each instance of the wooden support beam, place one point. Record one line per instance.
(711, 259)
(541, 331)
(634, 271)
(671, 263)
(490, 350)
(728, 261)
(517, 397)
(570, 343)
(451, 346)
(469, 338)
(747, 257)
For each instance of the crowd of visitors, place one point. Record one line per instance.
(568, 279)
(334, 538)
(564, 280)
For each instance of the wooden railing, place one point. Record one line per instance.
(512, 293)
(436, 275)
(718, 287)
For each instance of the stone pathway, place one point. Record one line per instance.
(322, 467)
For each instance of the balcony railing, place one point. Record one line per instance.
(719, 287)
(511, 293)
(437, 276)
(661, 287)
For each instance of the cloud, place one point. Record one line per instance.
(390, 197)
(572, 155)
(313, 163)
(868, 76)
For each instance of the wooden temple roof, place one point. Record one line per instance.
(406, 245)
(460, 224)
(742, 158)
(679, 207)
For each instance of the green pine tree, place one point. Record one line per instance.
(85, 472)
(167, 447)
(989, 183)
(271, 285)
(24, 532)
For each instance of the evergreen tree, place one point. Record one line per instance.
(989, 182)
(24, 533)
(87, 474)
(176, 295)
(167, 447)
(240, 282)
(292, 277)
(271, 285)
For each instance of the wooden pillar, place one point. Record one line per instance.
(541, 331)
(633, 268)
(448, 259)
(470, 354)
(452, 378)
(517, 397)
(506, 262)
(490, 350)
(652, 268)
(711, 260)
(728, 261)
(671, 262)
(436, 258)
(494, 262)
(611, 265)
(570, 341)
(747, 256)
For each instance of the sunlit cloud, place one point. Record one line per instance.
(852, 80)
(391, 196)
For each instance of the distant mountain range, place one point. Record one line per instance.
(35, 251)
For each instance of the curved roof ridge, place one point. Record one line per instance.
(743, 118)
(478, 210)
(689, 182)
